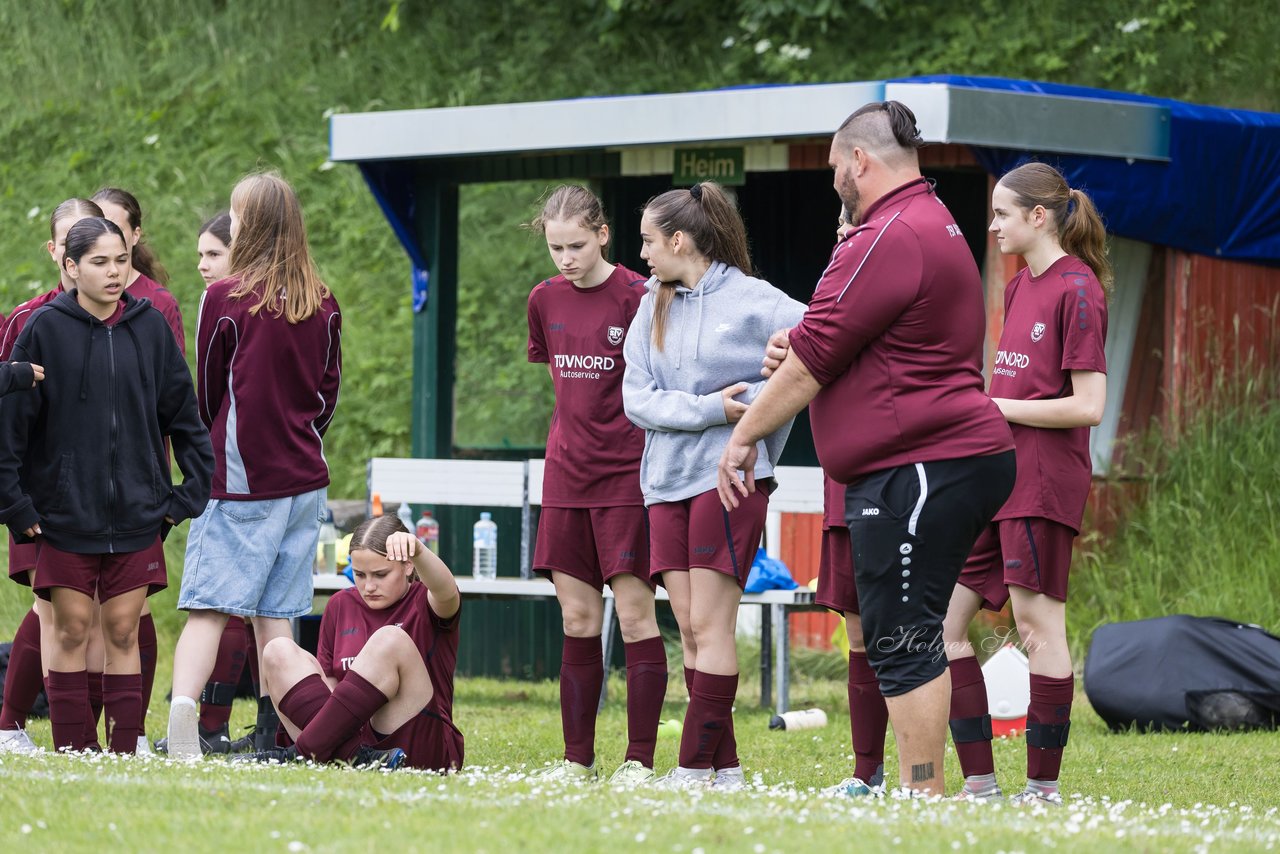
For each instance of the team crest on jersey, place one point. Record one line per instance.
(615, 335)
(1037, 332)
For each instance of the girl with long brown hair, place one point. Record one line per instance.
(269, 367)
(379, 690)
(693, 367)
(1050, 382)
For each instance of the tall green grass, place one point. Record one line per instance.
(1205, 539)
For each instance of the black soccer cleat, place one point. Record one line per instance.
(274, 755)
(371, 759)
(216, 741)
(245, 743)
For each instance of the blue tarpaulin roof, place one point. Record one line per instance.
(1217, 195)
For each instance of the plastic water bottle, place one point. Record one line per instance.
(802, 719)
(405, 515)
(328, 544)
(428, 531)
(484, 547)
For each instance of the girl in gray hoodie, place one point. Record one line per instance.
(693, 356)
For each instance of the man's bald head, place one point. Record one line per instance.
(886, 130)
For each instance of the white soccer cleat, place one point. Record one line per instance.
(17, 741)
(630, 774)
(144, 747)
(678, 779)
(184, 734)
(729, 780)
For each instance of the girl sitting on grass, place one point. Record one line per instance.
(379, 691)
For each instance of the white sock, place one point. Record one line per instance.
(184, 701)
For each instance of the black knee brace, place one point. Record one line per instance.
(218, 693)
(1048, 736)
(965, 730)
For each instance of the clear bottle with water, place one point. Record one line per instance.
(484, 551)
(328, 545)
(405, 515)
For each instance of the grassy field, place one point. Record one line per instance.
(1124, 792)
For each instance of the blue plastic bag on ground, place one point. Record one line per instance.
(768, 573)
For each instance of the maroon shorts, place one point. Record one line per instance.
(105, 576)
(700, 532)
(1033, 553)
(836, 589)
(592, 544)
(428, 741)
(22, 559)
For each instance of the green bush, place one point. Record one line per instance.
(1205, 540)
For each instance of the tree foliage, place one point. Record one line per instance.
(176, 99)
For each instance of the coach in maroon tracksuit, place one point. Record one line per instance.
(890, 353)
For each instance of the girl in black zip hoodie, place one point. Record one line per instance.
(83, 471)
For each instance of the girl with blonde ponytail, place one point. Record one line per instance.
(693, 358)
(1049, 380)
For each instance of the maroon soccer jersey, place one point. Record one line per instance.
(268, 389)
(348, 623)
(832, 503)
(18, 319)
(593, 450)
(165, 303)
(1054, 323)
(894, 335)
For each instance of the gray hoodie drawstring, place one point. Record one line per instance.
(680, 346)
(697, 330)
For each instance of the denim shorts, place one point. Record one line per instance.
(253, 558)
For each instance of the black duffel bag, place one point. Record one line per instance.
(1184, 673)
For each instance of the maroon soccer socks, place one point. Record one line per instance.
(581, 678)
(646, 689)
(334, 731)
(868, 718)
(970, 722)
(122, 703)
(23, 680)
(1048, 722)
(147, 652)
(69, 711)
(708, 720)
(220, 691)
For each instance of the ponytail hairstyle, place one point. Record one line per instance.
(270, 255)
(219, 226)
(372, 534)
(85, 233)
(77, 208)
(1080, 229)
(571, 203)
(144, 260)
(709, 218)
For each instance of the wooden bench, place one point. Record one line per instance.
(488, 483)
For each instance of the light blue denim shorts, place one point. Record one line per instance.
(253, 558)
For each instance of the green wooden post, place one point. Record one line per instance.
(435, 329)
